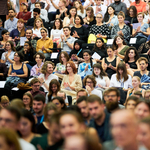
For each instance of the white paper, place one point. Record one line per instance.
(133, 40)
(110, 41)
(22, 41)
(96, 56)
(2, 83)
(15, 89)
(54, 55)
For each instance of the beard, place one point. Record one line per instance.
(111, 106)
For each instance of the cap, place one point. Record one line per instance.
(24, 4)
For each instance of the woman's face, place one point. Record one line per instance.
(120, 19)
(119, 40)
(131, 54)
(99, 43)
(20, 25)
(99, 18)
(135, 82)
(140, 18)
(130, 105)
(77, 46)
(63, 58)
(131, 12)
(4, 145)
(89, 83)
(57, 23)
(77, 20)
(141, 110)
(69, 125)
(8, 46)
(88, 13)
(77, 5)
(110, 52)
(60, 4)
(26, 100)
(147, 7)
(50, 113)
(38, 59)
(73, 12)
(86, 56)
(69, 68)
(6, 35)
(38, 23)
(57, 103)
(97, 71)
(16, 57)
(43, 33)
(26, 46)
(25, 126)
(110, 10)
(54, 88)
(120, 71)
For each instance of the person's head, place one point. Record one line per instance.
(63, 57)
(10, 46)
(98, 70)
(144, 132)
(58, 24)
(38, 5)
(90, 12)
(71, 123)
(49, 109)
(18, 56)
(147, 94)
(29, 33)
(9, 140)
(66, 30)
(62, 3)
(78, 20)
(121, 17)
(70, 67)
(140, 17)
(79, 5)
(11, 13)
(35, 84)
(117, 1)
(28, 46)
(87, 54)
(24, 6)
(110, 10)
(131, 53)
(20, 23)
(44, 32)
(96, 107)
(5, 34)
(72, 12)
(143, 63)
(38, 22)
(132, 11)
(77, 45)
(90, 81)
(110, 51)
(17, 103)
(59, 102)
(123, 123)
(131, 102)
(99, 18)
(27, 123)
(118, 40)
(136, 81)
(142, 109)
(47, 67)
(138, 94)
(27, 99)
(99, 44)
(81, 92)
(36, 12)
(39, 57)
(61, 94)
(54, 86)
(38, 104)
(82, 104)
(4, 101)
(10, 117)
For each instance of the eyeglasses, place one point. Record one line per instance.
(89, 82)
(36, 85)
(99, 17)
(16, 55)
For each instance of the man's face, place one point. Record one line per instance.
(112, 97)
(36, 87)
(80, 94)
(124, 128)
(62, 95)
(66, 32)
(38, 106)
(36, 15)
(143, 65)
(8, 120)
(38, 6)
(84, 109)
(11, 13)
(28, 34)
(49, 68)
(96, 110)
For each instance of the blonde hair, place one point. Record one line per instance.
(44, 67)
(4, 98)
(121, 13)
(35, 23)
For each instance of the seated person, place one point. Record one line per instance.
(3, 72)
(25, 14)
(144, 48)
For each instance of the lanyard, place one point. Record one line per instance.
(79, 51)
(42, 119)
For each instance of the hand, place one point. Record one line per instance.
(71, 20)
(65, 11)
(99, 9)
(41, 80)
(6, 55)
(138, 29)
(66, 85)
(13, 74)
(38, 70)
(86, 68)
(105, 66)
(100, 86)
(43, 48)
(62, 37)
(148, 52)
(48, 2)
(127, 66)
(25, 50)
(112, 24)
(99, 35)
(63, 72)
(110, 65)
(75, 34)
(34, 35)
(88, 89)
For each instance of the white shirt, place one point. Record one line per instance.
(37, 32)
(97, 92)
(56, 33)
(87, 2)
(26, 145)
(82, 15)
(52, 8)
(100, 81)
(115, 83)
(103, 9)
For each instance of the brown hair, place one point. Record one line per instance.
(4, 98)
(41, 55)
(142, 58)
(121, 13)
(91, 77)
(35, 23)
(92, 13)
(94, 98)
(53, 81)
(113, 89)
(12, 45)
(38, 3)
(82, 90)
(30, 96)
(140, 13)
(66, 56)
(64, 1)
(81, 6)
(44, 67)
(35, 80)
(72, 65)
(22, 34)
(134, 98)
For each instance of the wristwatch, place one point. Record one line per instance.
(65, 41)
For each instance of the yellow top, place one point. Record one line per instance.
(48, 43)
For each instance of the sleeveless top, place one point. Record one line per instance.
(132, 65)
(18, 71)
(131, 93)
(110, 71)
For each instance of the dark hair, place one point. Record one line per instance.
(39, 97)
(134, 98)
(79, 42)
(106, 16)
(12, 9)
(91, 77)
(61, 24)
(53, 81)
(30, 30)
(35, 80)
(81, 20)
(38, 3)
(89, 52)
(109, 47)
(20, 54)
(4, 32)
(101, 48)
(72, 65)
(94, 98)
(72, 8)
(37, 10)
(41, 55)
(32, 49)
(61, 101)
(136, 57)
(142, 100)
(66, 56)
(12, 45)
(134, 11)
(67, 27)
(27, 114)
(102, 73)
(81, 99)
(122, 66)
(74, 108)
(115, 46)
(113, 89)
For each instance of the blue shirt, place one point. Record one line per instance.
(114, 21)
(10, 25)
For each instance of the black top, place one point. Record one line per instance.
(137, 73)
(62, 15)
(56, 146)
(82, 33)
(144, 47)
(110, 71)
(131, 19)
(41, 129)
(132, 65)
(101, 52)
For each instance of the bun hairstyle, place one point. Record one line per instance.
(89, 52)
(121, 13)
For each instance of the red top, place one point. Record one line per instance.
(24, 15)
(141, 7)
